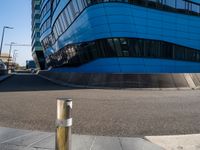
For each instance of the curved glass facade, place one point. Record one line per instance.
(77, 32)
(75, 7)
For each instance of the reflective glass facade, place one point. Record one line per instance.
(77, 32)
(74, 55)
(75, 7)
(37, 49)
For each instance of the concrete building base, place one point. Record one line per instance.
(157, 81)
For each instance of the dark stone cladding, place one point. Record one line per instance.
(75, 55)
(103, 80)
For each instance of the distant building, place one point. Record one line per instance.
(120, 36)
(2, 66)
(5, 58)
(37, 50)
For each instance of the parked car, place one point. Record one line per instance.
(2, 65)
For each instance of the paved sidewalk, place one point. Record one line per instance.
(14, 139)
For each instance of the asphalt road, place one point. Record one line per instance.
(29, 102)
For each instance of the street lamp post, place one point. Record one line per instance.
(14, 52)
(11, 44)
(5, 27)
(14, 58)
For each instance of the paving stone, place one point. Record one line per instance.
(16, 147)
(30, 139)
(48, 143)
(106, 143)
(7, 134)
(138, 144)
(82, 142)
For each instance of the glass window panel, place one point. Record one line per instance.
(152, 3)
(195, 8)
(138, 48)
(117, 46)
(180, 4)
(61, 26)
(62, 23)
(70, 12)
(57, 28)
(124, 46)
(170, 3)
(66, 14)
(110, 48)
(80, 5)
(75, 7)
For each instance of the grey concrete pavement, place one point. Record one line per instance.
(28, 82)
(13, 139)
(29, 102)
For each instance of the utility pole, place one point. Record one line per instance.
(11, 44)
(14, 58)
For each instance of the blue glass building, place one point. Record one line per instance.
(121, 36)
(37, 50)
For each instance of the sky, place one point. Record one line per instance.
(17, 14)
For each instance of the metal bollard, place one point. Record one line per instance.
(64, 124)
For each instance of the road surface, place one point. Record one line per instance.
(28, 101)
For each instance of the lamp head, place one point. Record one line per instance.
(7, 27)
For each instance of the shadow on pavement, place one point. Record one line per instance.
(28, 82)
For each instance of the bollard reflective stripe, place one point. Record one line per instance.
(69, 104)
(64, 123)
